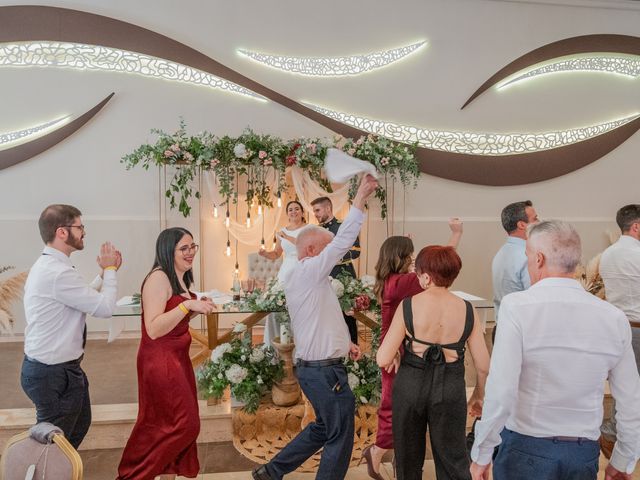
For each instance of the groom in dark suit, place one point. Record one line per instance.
(323, 211)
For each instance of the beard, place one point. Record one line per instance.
(74, 242)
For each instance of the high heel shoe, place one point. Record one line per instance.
(366, 455)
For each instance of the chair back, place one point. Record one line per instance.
(52, 461)
(262, 268)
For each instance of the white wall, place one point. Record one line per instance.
(469, 40)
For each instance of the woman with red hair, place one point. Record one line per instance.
(429, 391)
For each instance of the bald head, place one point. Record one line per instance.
(311, 240)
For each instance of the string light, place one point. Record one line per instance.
(237, 268)
(259, 209)
(248, 220)
(228, 252)
(262, 247)
(279, 199)
(274, 242)
(227, 220)
(215, 211)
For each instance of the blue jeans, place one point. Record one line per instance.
(61, 396)
(334, 404)
(521, 457)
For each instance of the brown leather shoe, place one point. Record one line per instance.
(606, 446)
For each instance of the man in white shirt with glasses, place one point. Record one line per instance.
(556, 346)
(56, 302)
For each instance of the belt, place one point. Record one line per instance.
(320, 363)
(63, 364)
(568, 439)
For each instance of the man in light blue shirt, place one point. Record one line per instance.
(509, 267)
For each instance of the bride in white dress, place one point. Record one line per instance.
(285, 243)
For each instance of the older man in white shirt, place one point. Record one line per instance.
(556, 347)
(56, 302)
(322, 343)
(620, 271)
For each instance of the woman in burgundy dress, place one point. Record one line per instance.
(395, 281)
(163, 441)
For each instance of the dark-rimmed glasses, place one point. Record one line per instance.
(81, 227)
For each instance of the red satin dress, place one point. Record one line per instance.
(397, 287)
(163, 440)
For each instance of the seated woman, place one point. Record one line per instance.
(429, 389)
(163, 440)
(286, 243)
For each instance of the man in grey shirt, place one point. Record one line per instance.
(509, 267)
(322, 343)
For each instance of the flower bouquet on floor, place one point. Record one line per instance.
(250, 371)
(364, 380)
(355, 294)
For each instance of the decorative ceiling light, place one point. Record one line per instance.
(475, 143)
(333, 66)
(627, 66)
(94, 57)
(10, 138)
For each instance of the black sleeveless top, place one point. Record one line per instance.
(433, 356)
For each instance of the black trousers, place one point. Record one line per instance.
(352, 323)
(61, 396)
(420, 404)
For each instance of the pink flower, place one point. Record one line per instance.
(214, 162)
(268, 162)
(187, 156)
(384, 161)
(360, 141)
(168, 153)
(175, 148)
(362, 302)
(351, 151)
(312, 147)
(262, 154)
(291, 160)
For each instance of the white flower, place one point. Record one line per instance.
(243, 358)
(353, 380)
(220, 376)
(256, 356)
(368, 281)
(337, 286)
(219, 351)
(236, 373)
(363, 400)
(280, 302)
(239, 328)
(240, 151)
(356, 366)
(259, 380)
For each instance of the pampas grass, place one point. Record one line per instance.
(10, 291)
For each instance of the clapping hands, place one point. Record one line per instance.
(109, 256)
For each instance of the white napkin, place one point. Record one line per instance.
(340, 167)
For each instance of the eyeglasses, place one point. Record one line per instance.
(189, 248)
(81, 227)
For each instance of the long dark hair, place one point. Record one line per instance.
(394, 257)
(165, 258)
(286, 209)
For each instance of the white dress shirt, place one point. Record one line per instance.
(620, 271)
(509, 271)
(317, 324)
(555, 348)
(56, 303)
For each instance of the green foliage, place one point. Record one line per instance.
(256, 158)
(364, 379)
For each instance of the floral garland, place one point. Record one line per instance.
(249, 370)
(256, 157)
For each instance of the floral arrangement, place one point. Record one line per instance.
(250, 371)
(364, 380)
(355, 294)
(256, 158)
(271, 299)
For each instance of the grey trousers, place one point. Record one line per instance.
(608, 427)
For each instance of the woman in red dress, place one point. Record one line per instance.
(395, 281)
(163, 440)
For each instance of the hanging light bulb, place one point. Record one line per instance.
(227, 220)
(279, 199)
(215, 211)
(253, 204)
(248, 220)
(237, 269)
(228, 252)
(259, 209)
(274, 241)
(262, 247)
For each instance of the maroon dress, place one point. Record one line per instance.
(397, 287)
(163, 440)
